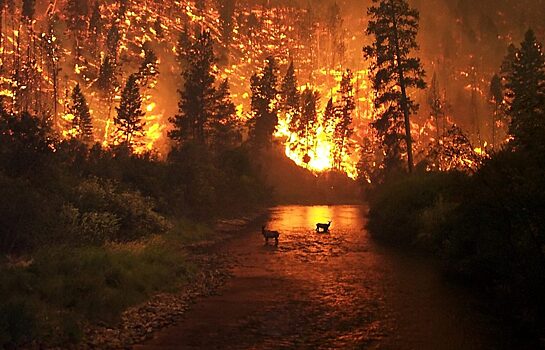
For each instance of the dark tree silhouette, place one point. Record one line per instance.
(334, 29)
(436, 104)
(197, 98)
(224, 128)
(52, 48)
(158, 27)
(106, 80)
(290, 98)
(77, 12)
(226, 12)
(497, 97)
(310, 99)
(329, 115)
(82, 121)
(28, 9)
(148, 68)
(112, 41)
(128, 122)
(525, 93)
(95, 29)
(343, 125)
(264, 111)
(394, 26)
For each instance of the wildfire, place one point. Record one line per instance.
(275, 34)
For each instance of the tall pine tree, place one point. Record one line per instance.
(496, 97)
(148, 70)
(264, 108)
(343, 125)
(394, 26)
(310, 99)
(227, 12)
(290, 99)
(524, 73)
(106, 81)
(82, 121)
(435, 102)
(197, 97)
(129, 120)
(224, 129)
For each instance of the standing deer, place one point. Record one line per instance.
(323, 227)
(270, 234)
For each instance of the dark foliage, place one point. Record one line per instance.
(394, 70)
(264, 111)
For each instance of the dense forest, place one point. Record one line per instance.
(124, 121)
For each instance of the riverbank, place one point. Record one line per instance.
(139, 323)
(115, 295)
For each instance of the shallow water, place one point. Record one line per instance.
(331, 290)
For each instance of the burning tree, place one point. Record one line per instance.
(148, 70)
(394, 26)
(128, 122)
(453, 151)
(264, 107)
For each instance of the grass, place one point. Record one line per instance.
(49, 299)
(187, 232)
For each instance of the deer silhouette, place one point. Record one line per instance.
(323, 227)
(270, 234)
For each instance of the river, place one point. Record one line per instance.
(336, 290)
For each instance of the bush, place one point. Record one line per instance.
(433, 222)
(489, 228)
(396, 207)
(123, 215)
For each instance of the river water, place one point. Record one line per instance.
(336, 290)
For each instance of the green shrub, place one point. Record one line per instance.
(124, 215)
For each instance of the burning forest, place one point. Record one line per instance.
(134, 134)
(61, 56)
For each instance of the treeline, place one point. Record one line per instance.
(486, 224)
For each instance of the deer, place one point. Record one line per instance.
(270, 234)
(323, 227)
